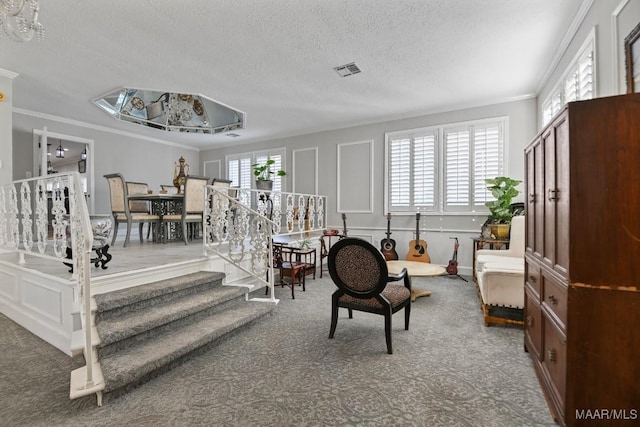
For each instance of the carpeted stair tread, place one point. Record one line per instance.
(135, 363)
(146, 318)
(123, 297)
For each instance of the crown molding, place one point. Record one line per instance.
(564, 44)
(100, 128)
(8, 74)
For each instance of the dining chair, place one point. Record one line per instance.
(119, 197)
(139, 206)
(192, 206)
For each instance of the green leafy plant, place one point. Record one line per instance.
(504, 190)
(263, 172)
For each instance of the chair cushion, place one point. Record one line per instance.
(137, 217)
(481, 260)
(502, 284)
(395, 294)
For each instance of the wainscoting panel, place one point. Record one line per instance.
(355, 177)
(43, 299)
(212, 169)
(8, 286)
(305, 171)
(40, 303)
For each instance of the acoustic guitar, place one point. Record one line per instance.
(417, 247)
(452, 268)
(344, 225)
(388, 245)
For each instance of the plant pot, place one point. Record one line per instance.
(500, 231)
(264, 185)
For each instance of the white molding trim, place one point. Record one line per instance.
(99, 128)
(338, 177)
(206, 162)
(564, 44)
(293, 167)
(8, 74)
(614, 44)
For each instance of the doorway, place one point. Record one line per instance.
(59, 153)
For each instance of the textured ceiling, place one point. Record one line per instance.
(274, 59)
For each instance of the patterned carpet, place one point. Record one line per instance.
(447, 370)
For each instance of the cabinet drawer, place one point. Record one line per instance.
(533, 325)
(532, 277)
(554, 362)
(554, 297)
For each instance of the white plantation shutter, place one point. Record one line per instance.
(585, 76)
(417, 173)
(245, 173)
(239, 171)
(457, 167)
(488, 156)
(400, 172)
(424, 171)
(412, 172)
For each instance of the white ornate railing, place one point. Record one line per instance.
(240, 225)
(29, 226)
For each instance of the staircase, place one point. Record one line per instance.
(148, 329)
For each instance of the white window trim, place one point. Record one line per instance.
(440, 209)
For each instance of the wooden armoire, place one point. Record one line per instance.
(582, 261)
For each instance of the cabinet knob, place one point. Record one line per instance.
(529, 320)
(532, 279)
(553, 194)
(532, 198)
(551, 355)
(552, 299)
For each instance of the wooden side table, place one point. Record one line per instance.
(482, 243)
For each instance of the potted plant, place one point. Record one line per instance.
(504, 190)
(263, 173)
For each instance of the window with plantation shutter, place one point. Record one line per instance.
(412, 171)
(276, 156)
(576, 84)
(240, 172)
(419, 178)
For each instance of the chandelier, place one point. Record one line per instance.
(19, 19)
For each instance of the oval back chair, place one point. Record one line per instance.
(360, 272)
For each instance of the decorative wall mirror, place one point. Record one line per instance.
(632, 60)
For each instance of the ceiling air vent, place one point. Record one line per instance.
(347, 69)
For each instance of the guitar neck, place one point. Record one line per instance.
(344, 225)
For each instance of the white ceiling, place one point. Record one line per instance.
(274, 59)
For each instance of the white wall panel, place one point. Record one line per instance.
(355, 177)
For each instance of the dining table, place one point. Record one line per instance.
(162, 204)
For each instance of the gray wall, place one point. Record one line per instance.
(138, 160)
(439, 228)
